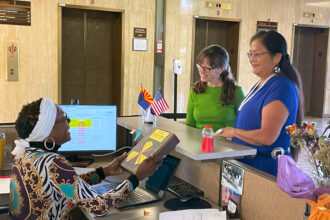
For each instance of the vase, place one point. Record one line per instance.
(305, 164)
(321, 181)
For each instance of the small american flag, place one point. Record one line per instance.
(159, 104)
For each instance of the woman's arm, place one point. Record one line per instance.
(80, 193)
(273, 117)
(113, 169)
(190, 120)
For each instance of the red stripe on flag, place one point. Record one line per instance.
(159, 106)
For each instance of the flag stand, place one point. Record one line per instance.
(154, 124)
(175, 94)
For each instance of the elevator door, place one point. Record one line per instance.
(223, 33)
(310, 58)
(91, 57)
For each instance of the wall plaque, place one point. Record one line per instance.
(266, 26)
(140, 32)
(15, 12)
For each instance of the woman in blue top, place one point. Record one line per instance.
(273, 103)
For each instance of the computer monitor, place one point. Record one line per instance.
(93, 129)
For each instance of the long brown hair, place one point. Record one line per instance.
(218, 57)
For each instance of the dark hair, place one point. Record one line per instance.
(276, 43)
(27, 119)
(218, 57)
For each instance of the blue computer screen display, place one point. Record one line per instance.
(92, 128)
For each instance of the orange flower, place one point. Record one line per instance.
(293, 129)
(310, 129)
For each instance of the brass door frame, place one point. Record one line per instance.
(304, 25)
(193, 40)
(60, 6)
(292, 52)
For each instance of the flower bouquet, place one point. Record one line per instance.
(314, 148)
(310, 176)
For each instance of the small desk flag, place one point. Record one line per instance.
(159, 105)
(145, 99)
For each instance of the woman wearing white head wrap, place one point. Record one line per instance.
(44, 185)
(41, 130)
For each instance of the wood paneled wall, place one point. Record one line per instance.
(39, 46)
(179, 36)
(39, 54)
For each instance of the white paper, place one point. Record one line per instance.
(4, 185)
(140, 44)
(82, 170)
(194, 214)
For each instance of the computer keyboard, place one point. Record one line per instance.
(182, 189)
(137, 197)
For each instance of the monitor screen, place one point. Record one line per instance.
(93, 129)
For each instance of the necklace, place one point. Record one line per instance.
(252, 92)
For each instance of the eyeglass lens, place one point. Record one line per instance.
(205, 69)
(255, 55)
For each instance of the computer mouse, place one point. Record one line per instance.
(189, 198)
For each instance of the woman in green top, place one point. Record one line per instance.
(214, 99)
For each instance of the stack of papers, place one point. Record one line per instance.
(82, 170)
(4, 190)
(194, 214)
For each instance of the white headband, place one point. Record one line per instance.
(42, 129)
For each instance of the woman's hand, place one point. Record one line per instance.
(114, 167)
(148, 166)
(228, 132)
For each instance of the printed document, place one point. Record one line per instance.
(194, 214)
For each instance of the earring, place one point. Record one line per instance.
(277, 69)
(45, 144)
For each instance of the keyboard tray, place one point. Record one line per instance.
(181, 188)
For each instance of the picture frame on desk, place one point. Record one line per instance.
(232, 177)
(231, 188)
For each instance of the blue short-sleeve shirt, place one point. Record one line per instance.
(249, 117)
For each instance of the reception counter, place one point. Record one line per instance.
(190, 139)
(261, 198)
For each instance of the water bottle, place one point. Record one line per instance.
(207, 144)
(2, 148)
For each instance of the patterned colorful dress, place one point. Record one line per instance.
(45, 186)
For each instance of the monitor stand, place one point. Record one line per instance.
(78, 161)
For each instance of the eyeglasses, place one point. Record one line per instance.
(205, 68)
(64, 119)
(256, 54)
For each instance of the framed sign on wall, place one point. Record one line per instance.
(266, 26)
(140, 44)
